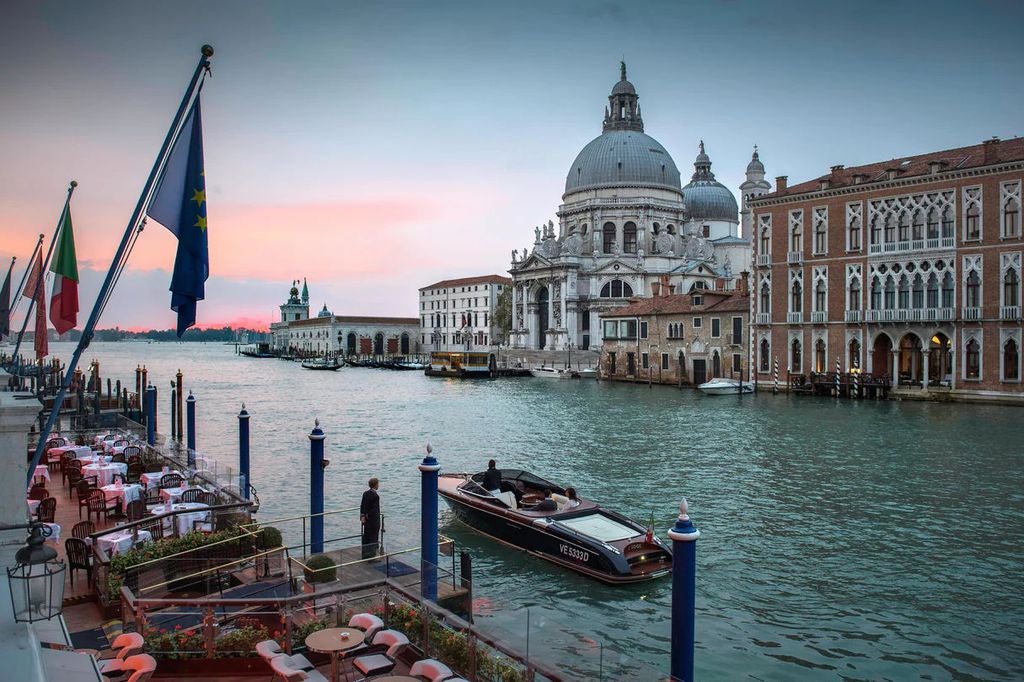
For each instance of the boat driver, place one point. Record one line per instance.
(492, 478)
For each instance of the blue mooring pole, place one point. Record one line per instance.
(684, 581)
(428, 526)
(243, 450)
(317, 464)
(190, 425)
(150, 414)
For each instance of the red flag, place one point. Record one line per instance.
(64, 297)
(35, 288)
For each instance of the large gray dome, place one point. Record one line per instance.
(705, 197)
(623, 158)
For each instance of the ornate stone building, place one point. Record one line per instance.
(625, 222)
(458, 314)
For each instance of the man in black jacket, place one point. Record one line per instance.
(369, 516)
(492, 478)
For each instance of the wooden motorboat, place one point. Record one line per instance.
(588, 539)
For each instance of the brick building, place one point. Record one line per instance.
(908, 268)
(677, 338)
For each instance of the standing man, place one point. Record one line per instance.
(369, 516)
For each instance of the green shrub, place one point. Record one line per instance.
(270, 538)
(320, 568)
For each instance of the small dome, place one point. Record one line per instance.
(755, 165)
(623, 157)
(623, 87)
(324, 312)
(705, 197)
(294, 291)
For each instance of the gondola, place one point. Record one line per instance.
(589, 539)
(330, 364)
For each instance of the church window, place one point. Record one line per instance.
(608, 235)
(1011, 361)
(616, 289)
(629, 238)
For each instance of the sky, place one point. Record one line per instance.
(375, 148)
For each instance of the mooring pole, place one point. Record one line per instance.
(150, 408)
(174, 413)
(428, 525)
(181, 397)
(243, 450)
(684, 581)
(317, 464)
(190, 422)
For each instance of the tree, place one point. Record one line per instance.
(503, 314)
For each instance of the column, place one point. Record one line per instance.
(684, 574)
(895, 368)
(926, 359)
(562, 301)
(243, 451)
(317, 463)
(429, 469)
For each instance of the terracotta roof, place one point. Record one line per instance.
(480, 279)
(675, 304)
(912, 166)
(355, 319)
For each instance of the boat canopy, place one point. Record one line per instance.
(598, 526)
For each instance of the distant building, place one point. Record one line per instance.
(458, 314)
(626, 220)
(677, 338)
(328, 333)
(908, 268)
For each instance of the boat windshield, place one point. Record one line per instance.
(599, 527)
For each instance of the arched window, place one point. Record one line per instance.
(378, 344)
(854, 353)
(629, 238)
(933, 223)
(973, 220)
(583, 229)
(764, 362)
(820, 296)
(890, 294)
(616, 289)
(1011, 285)
(876, 294)
(876, 231)
(795, 356)
(1011, 215)
(795, 237)
(671, 229)
(796, 298)
(819, 356)
(854, 302)
(766, 298)
(947, 290)
(890, 228)
(973, 290)
(904, 232)
(917, 231)
(854, 233)
(765, 248)
(972, 359)
(1011, 364)
(947, 222)
(716, 365)
(933, 291)
(917, 299)
(608, 234)
(903, 295)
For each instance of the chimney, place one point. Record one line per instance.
(743, 283)
(671, 289)
(655, 289)
(720, 284)
(836, 169)
(780, 183)
(991, 148)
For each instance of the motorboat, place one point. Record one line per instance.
(588, 373)
(547, 372)
(589, 539)
(724, 386)
(330, 364)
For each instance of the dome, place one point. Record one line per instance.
(705, 197)
(755, 165)
(623, 87)
(623, 157)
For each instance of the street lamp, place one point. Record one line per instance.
(37, 581)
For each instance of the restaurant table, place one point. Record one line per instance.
(122, 494)
(122, 541)
(104, 473)
(152, 478)
(42, 471)
(33, 505)
(184, 521)
(398, 678)
(172, 494)
(76, 449)
(330, 641)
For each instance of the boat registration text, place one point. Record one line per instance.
(573, 553)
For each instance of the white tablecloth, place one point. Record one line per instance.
(33, 505)
(152, 479)
(184, 521)
(172, 494)
(127, 493)
(77, 449)
(99, 440)
(115, 543)
(54, 532)
(104, 473)
(42, 471)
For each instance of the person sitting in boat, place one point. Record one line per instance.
(547, 504)
(571, 499)
(492, 478)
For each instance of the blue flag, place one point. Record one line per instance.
(179, 204)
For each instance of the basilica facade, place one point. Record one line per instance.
(625, 223)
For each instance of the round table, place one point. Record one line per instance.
(329, 641)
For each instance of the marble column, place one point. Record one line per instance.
(895, 368)
(924, 378)
(516, 294)
(532, 325)
(562, 302)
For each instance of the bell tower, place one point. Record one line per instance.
(623, 110)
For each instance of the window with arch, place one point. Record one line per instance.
(853, 299)
(917, 227)
(854, 229)
(583, 229)
(795, 356)
(671, 229)
(904, 226)
(764, 351)
(616, 289)
(1010, 199)
(766, 244)
(972, 359)
(820, 359)
(608, 238)
(948, 300)
(820, 230)
(972, 290)
(933, 223)
(766, 298)
(947, 222)
(933, 291)
(876, 231)
(716, 365)
(629, 238)
(890, 294)
(917, 297)
(890, 228)
(1011, 361)
(1011, 287)
(854, 218)
(973, 223)
(903, 294)
(820, 296)
(876, 294)
(854, 359)
(796, 297)
(796, 228)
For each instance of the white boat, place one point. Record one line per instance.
(588, 373)
(723, 386)
(546, 372)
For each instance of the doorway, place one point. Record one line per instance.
(542, 317)
(700, 372)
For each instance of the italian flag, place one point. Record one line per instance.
(64, 301)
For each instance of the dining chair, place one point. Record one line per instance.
(83, 529)
(47, 509)
(38, 492)
(78, 558)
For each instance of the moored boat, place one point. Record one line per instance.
(464, 365)
(549, 373)
(587, 538)
(724, 386)
(588, 373)
(330, 364)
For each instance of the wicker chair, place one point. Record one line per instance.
(53, 461)
(209, 499)
(72, 468)
(97, 504)
(120, 458)
(134, 474)
(132, 451)
(78, 558)
(47, 509)
(83, 529)
(135, 510)
(171, 481)
(38, 492)
(191, 495)
(120, 442)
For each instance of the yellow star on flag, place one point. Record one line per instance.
(200, 222)
(199, 196)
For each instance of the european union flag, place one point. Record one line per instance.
(179, 204)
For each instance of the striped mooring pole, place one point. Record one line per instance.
(855, 381)
(775, 376)
(838, 369)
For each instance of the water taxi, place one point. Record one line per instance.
(723, 386)
(461, 364)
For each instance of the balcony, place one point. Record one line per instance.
(764, 318)
(906, 246)
(853, 316)
(873, 315)
(1009, 312)
(764, 259)
(794, 318)
(971, 313)
(874, 248)
(908, 315)
(795, 257)
(819, 316)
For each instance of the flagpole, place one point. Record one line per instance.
(46, 263)
(147, 190)
(24, 276)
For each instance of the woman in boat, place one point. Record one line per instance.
(571, 500)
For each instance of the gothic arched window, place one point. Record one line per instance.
(1011, 364)
(795, 356)
(972, 359)
(764, 361)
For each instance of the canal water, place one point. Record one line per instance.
(868, 540)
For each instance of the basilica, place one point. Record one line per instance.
(627, 222)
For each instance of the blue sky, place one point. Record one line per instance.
(377, 147)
